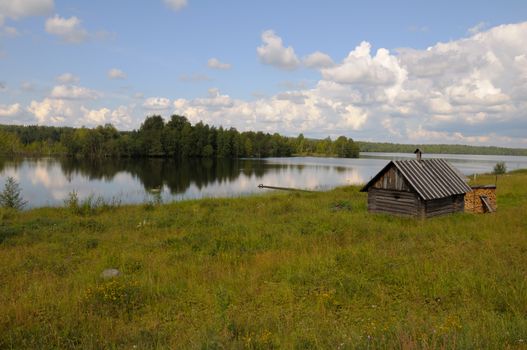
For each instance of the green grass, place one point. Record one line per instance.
(297, 271)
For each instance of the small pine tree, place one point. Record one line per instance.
(10, 196)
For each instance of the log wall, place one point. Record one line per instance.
(392, 201)
(473, 203)
(409, 204)
(443, 206)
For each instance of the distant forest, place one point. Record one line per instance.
(177, 138)
(437, 148)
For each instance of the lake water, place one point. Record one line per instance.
(48, 181)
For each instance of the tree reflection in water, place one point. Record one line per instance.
(177, 175)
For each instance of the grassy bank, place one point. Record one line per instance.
(293, 270)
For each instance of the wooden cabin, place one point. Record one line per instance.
(420, 187)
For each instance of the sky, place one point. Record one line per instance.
(390, 71)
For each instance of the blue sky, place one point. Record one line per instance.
(400, 71)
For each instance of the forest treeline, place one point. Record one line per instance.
(156, 137)
(439, 148)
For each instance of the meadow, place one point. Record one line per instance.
(281, 270)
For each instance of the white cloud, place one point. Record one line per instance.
(214, 63)
(73, 92)
(51, 111)
(119, 117)
(96, 116)
(175, 5)
(318, 60)
(475, 90)
(362, 68)
(115, 73)
(68, 29)
(157, 103)
(68, 78)
(16, 9)
(290, 112)
(273, 52)
(10, 110)
(477, 28)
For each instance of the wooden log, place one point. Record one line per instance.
(283, 188)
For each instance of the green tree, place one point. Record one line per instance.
(300, 144)
(340, 146)
(9, 143)
(248, 147)
(11, 195)
(500, 168)
(150, 134)
(207, 151)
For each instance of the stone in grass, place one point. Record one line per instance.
(110, 273)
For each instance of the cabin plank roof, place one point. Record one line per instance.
(430, 178)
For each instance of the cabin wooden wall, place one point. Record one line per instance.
(392, 201)
(473, 203)
(392, 179)
(443, 206)
(409, 204)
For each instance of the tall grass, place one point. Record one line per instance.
(310, 270)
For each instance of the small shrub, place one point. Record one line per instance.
(132, 266)
(500, 168)
(154, 201)
(11, 195)
(90, 205)
(92, 243)
(72, 201)
(91, 225)
(7, 232)
(341, 205)
(149, 206)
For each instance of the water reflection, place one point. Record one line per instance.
(47, 181)
(177, 176)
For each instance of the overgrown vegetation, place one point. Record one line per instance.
(90, 205)
(177, 138)
(298, 270)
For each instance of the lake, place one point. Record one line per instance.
(48, 181)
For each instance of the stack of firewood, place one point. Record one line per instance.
(473, 202)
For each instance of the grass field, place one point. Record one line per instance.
(292, 270)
